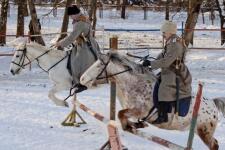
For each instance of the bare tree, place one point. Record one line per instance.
(35, 23)
(65, 20)
(167, 17)
(92, 8)
(3, 21)
(123, 11)
(20, 18)
(222, 20)
(191, 21)
(118, 4)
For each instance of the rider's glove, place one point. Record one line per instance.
(146, 63)
(60, 48)
(69, 47)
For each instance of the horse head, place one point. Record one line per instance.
(19, 59)
(106, 65)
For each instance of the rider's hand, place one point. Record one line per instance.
(146, 63)
(57, 44)
(60, 48)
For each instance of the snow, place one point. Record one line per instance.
(29, 120)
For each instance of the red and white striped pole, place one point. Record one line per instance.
(194, 116)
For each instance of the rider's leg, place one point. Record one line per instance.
(77, 86)
(162, 114)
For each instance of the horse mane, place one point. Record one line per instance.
(138, 69)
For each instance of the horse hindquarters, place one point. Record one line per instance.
(206, 125)
(207, 138)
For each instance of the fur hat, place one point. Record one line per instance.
(169, 27)
(73, 10)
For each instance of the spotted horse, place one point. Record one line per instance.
(135, 96)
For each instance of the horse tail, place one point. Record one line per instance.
(220, 104)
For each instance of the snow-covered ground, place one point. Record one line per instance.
(29, 120)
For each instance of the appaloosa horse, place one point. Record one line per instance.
(135, 95)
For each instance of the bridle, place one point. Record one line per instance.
(22, 59)
(24, 56)
(104, 70)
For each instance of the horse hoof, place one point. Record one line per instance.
(140, 125)
(62, 103)
(66, 104)
(131, 129)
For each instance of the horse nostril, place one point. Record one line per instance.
(12, 72)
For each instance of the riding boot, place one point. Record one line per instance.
(79, 88)
(162, 114)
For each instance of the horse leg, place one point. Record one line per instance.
(122, 115)
(125, 114)
(53, 97)
(205, 132)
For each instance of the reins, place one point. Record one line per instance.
(111, 75)
(24, 56)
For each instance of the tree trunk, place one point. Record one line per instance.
(222, 21)
(118, 5)
(25, 10)
(92, 7)
(123, 11)
(167, 17)
(3, 21)
(65, 21)
(192, 20)
(94, 10)
(35, 23)
(20, 19)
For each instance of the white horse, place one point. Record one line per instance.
(135, 95)
(53, 61)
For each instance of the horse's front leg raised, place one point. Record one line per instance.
(52, 96)
(130, 126)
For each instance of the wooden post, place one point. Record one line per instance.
(145, 13)
(113, 46)
(194, 117)
(114, 138)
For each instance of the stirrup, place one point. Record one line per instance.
(160, 120)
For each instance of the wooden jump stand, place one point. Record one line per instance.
(70, 120)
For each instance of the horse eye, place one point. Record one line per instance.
(17, 56)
